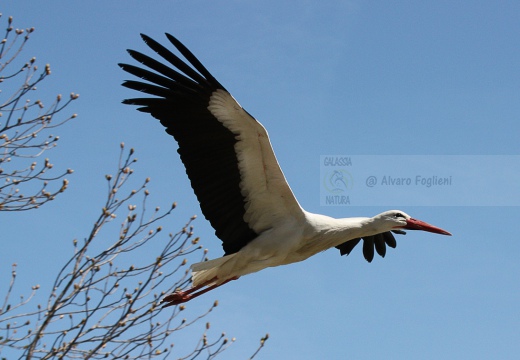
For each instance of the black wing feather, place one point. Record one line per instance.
(348, 246)
(206, 147)
(377, 242)
(368, 248)
(175, 61)
(161, 68)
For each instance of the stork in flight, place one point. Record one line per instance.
(247, 199)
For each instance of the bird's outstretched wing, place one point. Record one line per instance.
(377, 242)
(227, 153)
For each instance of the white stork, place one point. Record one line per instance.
(247, 199)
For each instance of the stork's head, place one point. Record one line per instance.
(396, 220)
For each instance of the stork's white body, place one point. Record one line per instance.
(287, 242)
(248, 200)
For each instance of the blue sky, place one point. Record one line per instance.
(341, 77)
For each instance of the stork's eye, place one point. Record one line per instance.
(399, 215)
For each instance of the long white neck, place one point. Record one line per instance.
(325, 232)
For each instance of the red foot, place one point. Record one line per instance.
(176, 298)
(180, 297)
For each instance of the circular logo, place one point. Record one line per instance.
(338, 181)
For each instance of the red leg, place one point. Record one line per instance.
(180, 297)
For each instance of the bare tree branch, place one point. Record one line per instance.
(25, 129)
(105, 303)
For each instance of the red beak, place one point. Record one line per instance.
(413, 224)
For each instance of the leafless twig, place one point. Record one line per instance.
(25, 127)
(105, 303)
